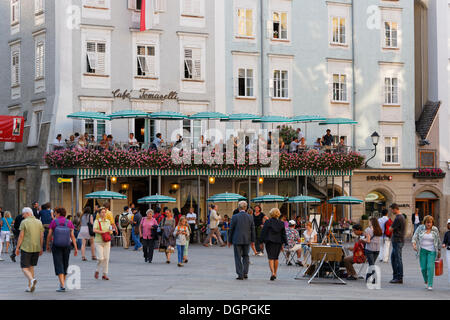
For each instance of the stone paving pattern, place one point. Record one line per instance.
(209, 275)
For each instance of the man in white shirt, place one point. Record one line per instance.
(192, 220)
(293, 145)
(386, 241)
(58, 144)
(214, 227)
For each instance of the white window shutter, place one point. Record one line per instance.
(187, 6)
(196, 6)
(271, 87)
(101, 63)
(132, 4)
(151, 65)
(197, 59)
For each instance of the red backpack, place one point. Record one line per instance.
(358, 252)
(388, 224)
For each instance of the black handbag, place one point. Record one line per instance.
(90, 227)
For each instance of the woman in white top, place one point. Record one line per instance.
(181, 233)
(310, 236)
(427, 243)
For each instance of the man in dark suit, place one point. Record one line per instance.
(241, 235)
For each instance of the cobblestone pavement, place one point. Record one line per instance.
(208, 275)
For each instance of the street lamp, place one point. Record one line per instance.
(375, 139)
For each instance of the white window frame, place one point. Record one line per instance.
(280, 24)
(249, 88)
(97, 3)
(95, 124)
(192, 126)
(389, 38)
(39, 65)
(338, 33)
(15, 12)
(93, 57)
(195, 73)
(389, 152)
(391, 91)
(15, 68)
(35, 129)
(244, 20)
(280, 84)
(150, 60)
(39, 7)
(160, 5)
(339, 88)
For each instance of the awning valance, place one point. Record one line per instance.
(142, 172)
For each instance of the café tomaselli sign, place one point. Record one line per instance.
(143, 94)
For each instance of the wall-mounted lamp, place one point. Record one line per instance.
(125, 186)
(375, 139)
(212, 180)
(113, 180)
(142, 131)
(174, 187)
(261, 180)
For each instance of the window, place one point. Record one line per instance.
(15, 69)
(192, 64)
(95, 55)
(391, 34)
(280, 84)
(194, 130)
(96, 3)
(191, 7)
(15, 12)
(339, 87)
(245, 22)
(160, 5)
(245, 83)
(40, 61)
(427, 158)
(280, 26)
(95, 128)
(146, 61)
(391, 150)
(338, 30)
(35, 130)
(391, 91)
(38, 6)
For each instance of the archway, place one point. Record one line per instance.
(427, 202)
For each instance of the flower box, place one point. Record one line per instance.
(429, 174)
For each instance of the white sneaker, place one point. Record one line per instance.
(27, 289)
(261, 254)
(1, 259)
(430, 288)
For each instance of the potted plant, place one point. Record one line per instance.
(364, 221)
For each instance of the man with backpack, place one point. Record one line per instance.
(137, 217)
(385, 223)
(62, 232)
(125, 226)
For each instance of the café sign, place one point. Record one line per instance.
(143, 94)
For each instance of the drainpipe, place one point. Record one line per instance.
(262, 39)
(354, 92)
(353, 75)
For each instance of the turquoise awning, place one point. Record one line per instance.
(106, 195)
(345, 200)
(209, 116)
(128, 114)
(273, 119)
(306, 118)
(226, 197)
(269, 198)
(85, 115)
(242, 117)
(337, 121)
(303, 199)
(157, 199)
(167, 115)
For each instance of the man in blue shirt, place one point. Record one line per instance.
(46, 217)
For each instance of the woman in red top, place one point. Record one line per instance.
(147, 232)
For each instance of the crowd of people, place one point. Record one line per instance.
(297, 145)
(41, 228)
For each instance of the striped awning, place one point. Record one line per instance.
(145, 172)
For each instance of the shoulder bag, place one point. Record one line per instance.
(106, 237)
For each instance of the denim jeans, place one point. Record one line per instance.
(224, 234)
(137, 241)
(180, 250)
(396, 260)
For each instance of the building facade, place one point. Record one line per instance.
(337, 59)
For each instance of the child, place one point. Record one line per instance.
(181, 233)
(446, 243)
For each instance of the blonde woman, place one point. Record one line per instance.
(427, 243)
(274, 236)
(6, 227)
(181, 233)
(102, 225)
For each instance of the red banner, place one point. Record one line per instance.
(11, 128)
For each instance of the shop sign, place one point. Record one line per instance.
(143, 94)
(11, 128)
(379, 178)
(404, 205)
(62, 180)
